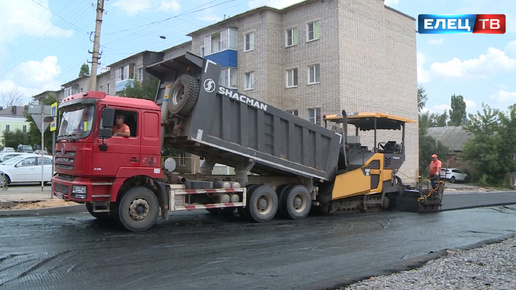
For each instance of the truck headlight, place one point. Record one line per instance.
(79, 191)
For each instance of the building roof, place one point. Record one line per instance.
(13, 111)
(453, 137)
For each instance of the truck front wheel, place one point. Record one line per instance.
(138, 209)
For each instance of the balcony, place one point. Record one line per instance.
(226, 58)
(121, 85)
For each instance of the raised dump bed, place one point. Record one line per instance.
(231, 128)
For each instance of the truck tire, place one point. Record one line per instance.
(242, 211)
(295, 202)
(138, 209)
(183, 97)
(262, 204)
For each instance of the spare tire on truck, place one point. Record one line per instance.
(183, 97)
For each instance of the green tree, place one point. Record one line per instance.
(492, 147)
(427, 146)
(440, 120)
(144, 90)
(458, 111)
(421, 98)
(13, 138)
(85, 70)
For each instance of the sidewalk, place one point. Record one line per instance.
(23, 200)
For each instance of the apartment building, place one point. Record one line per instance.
(320, 57)
(313, 58)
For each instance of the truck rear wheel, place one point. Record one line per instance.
(242, 211)
(138, 209)
(295, 202)
(262, 204)
(183, 97)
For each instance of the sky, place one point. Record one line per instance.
(43, 43)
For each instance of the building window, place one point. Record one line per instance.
(182, 159)
(7, 127)
(119, 74)
(24, 129)
(292, 78)
(314, 74)
(140, 74)
(293, 112)
(130, 73)
(291, 37)
(228, 77)
(221, 40)
(107, 88)
(249, 41)
(314, 115)
(68, 91)
(312, 31)
(125, 72)
(249, 80)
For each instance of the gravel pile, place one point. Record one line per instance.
(491, 266)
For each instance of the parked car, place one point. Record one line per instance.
(9, 155)
(25, 148)
(39, 152)
(454, 175)
(26, 168)
(7, 149)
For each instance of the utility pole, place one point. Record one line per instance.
(96, 46)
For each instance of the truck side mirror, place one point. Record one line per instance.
(108, 117)
(106, 126)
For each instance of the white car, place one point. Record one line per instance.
(7, 149)
(26, 168)
(454, 174)
(9, 155)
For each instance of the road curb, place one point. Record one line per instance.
(44, 211)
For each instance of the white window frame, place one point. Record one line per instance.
(249, 81)
(249, 41)
(182, 159)
(140, 74)
(314, 115)
(293, 112)
(207, 45)
(291, 37)
(68, 91)
(292, 76)
(313, 30)
(314, 74)
(220, 40)
(224, 39)
(228, 77)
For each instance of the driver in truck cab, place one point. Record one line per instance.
(120, 128)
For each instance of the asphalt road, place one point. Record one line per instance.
(196, 250)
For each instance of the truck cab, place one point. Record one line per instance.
(91, 165)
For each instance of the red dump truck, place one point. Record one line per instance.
(283, 165)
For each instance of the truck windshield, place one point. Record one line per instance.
(76, 122)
